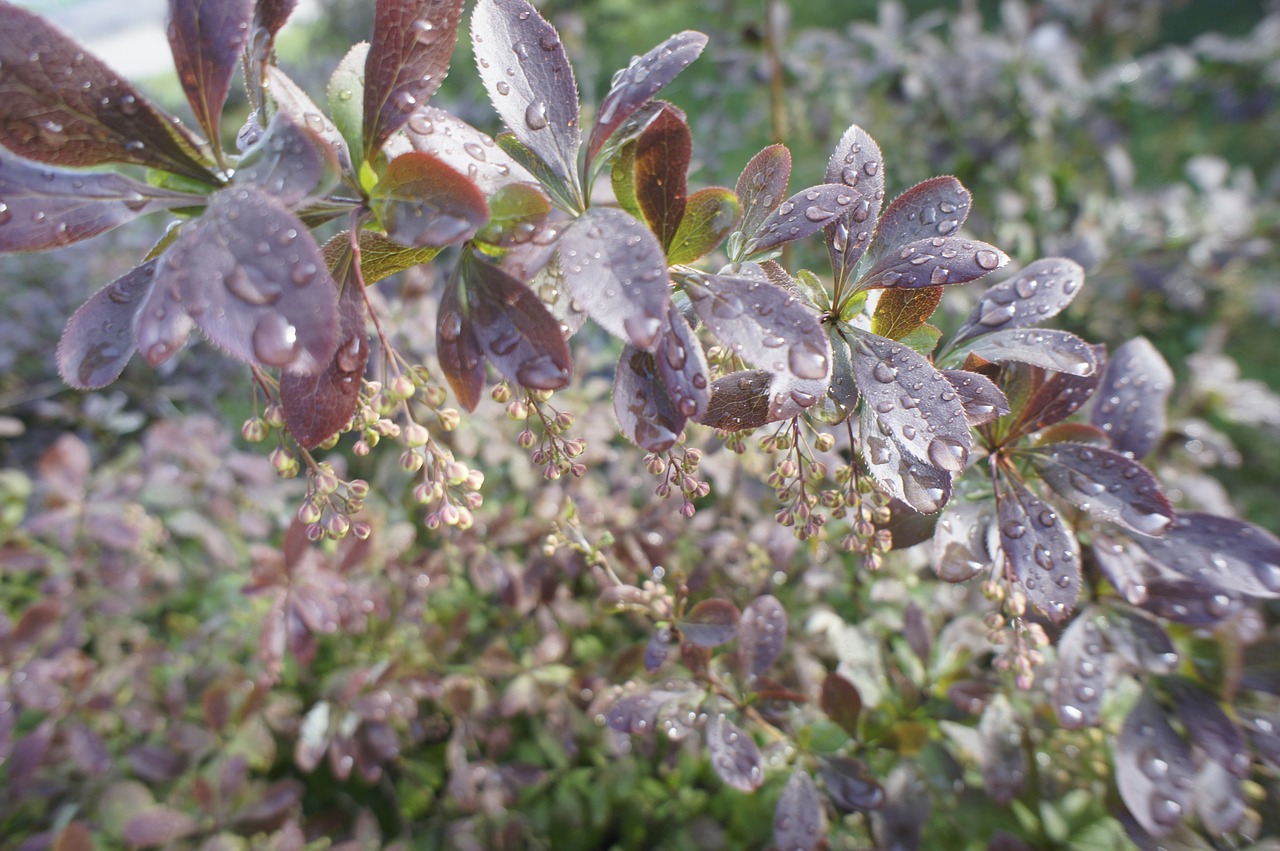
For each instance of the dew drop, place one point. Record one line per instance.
(503, 88)
(6, 215)
(643, 330)
(275, 341)
(128, 105)
(535, 115)
(404, 101)
(816, 214)
(1013, 529)
(884, 373)
(349, 354)
(807, 361)
(948, 453)
(986, 259)
(785, 208)
(260, 293)
(450, 326)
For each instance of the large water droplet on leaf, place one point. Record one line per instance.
(807, 361)
(275, 341)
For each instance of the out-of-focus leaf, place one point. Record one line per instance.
(960, 541)
(857, 163)
(291, 99)
(762, 186)
(1132, 397)
(1106, 484)
(1230, 554)
(1040, 548)
(850, 785)
(1081, 677)
(253, 280)
(271, 15)
(710, 623)
(762, 633)
(379, 257)
(661, 167)
(657, 649)
(43, 208)
(457, 348)
(530, 81)
(99, 340)
(76, 836)
(683, 366)
(1154, 772)
(804, 213)
(408, 58)
(1141, 641)
(646, 413)
(916, 630)
(901, 311)
(1060, 351)
(1208, 725)
(1003, 759)
(981, 399)
(798, 822)
(1261, 666)
(1041, 290)
(923, 486)
(421, 201)
(206, 40)
(158, 827)
(934, 262)
(709, 216)
(841, 702)
(63, 106)
(514, 330)
(1190, 602)
(634, 85)
(739, 400)
(932, 208)
(290, 161)
(317, 406)
(734, 755)
(1219, 799)
(616, 271)
(465, 149)
(635, 713)
(346, 97)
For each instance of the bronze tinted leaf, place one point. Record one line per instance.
(408, 58)
(683, 366)
(63, 106)
(739, 400)
(643, 78)
(762, 633)
(933, 208)
(803, 214)
(646, 414)
(254, 281)
(1132, 397)
(1041, 290)
(934, 262)
(762, 186)
(798, 822)
(1059, 395)
(1154, 770)
(290, 161)
(901, 311)
(841, 702)
(457, 348)
(423, 202)
(465, 149)
(43, 207)
(734, 755)
(514, 330)
(206, 39)
(708, 218)
(98, 341)
(1235, 556)
(1106, 484)
(1040, 549)
(662, 159)
(616, 271)
(530, 82)
(319, 405)
(379, 257)
(856, 162)
(1081, 675)
(982, 400)
(1060, 351)
(960, 541)
(710, 623)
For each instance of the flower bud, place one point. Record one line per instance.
(824, 442)
(401, 388)
(455, 473)
(362, 531)
(449, 418)
(526, 439)
(254, 430)
(410, 461)
(274, 415)
(475, 480)
(501, 393)
(433, 395)
(309, 512)
(283, 462)
(337, 526)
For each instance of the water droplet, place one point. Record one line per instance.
(303, 274)
(549, 42)
(542, 373)
(535, 115)
(258, 293)
(878, 450)
(503, 88)
(995, 315)
(643, 330)
(404, 101)
(785, 208)
(1047, 518)
(808, 361)
(128, 105)
(450, 326)
(871, 167)
(1013, 529)
(986, 259)
(816, 214)
(424, 31)
(1025, 287)
(939, 276)
(948, 453)
(475, 150)
(349, 354)
(275, 341)
(6, 215)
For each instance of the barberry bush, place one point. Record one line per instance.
(1010, 635)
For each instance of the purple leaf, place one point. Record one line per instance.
(206, 39)
(271, 15)
(98, 340)
(798, 822)
(841, 702)
(1081, 677)
(1141, 641)
(1055, 397)
(637, 712)
(634, 85)
(1060, 351)
(1003, 759)
(960, 541)
(1189, 602)
(646, 413)
(254, 281)
(457, 348)
(514, 330)
(921, 485)
(1041, 550)
(657, 649)
(408, 58)
(464, 149)
(739, 400)
(530, 82)
(1219, 799)
(683, 366)
(762, 186)
(981, 399)
(734, 755)
(319, 405)
(421, 201)
(762, 633)
(43, 208)
(615, 269)
(804, 213)
(1041, 290)
(63, 106)
(158, 827)
(1132, 397)
(1125, 567)
(710, 623)
(709, 216)
(849, 785)
(1153, 768)
(662, 157)
(1106, 484)
(290, 161)
(1232, 555)
(161, 325)
(916, 630)
(1208, 725)
(934, 262)
(933, 208)
(912, 401)
(857, 163)
(291, 99)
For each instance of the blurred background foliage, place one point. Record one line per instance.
(175, 671)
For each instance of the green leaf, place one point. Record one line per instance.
(422, 202)
(709, 217)
(515, 213)
(901, 311)
(346, 96)
(379, 257)
(557, 187)
(923, 339)
(623, 178)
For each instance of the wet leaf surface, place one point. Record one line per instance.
(457, 348)
(1233, 555)
(464, 149)
(710, 623)
(850, 784)
(646, 414)
(1154, 772)
(1058, 395)
(981, 399)
(162, 325)
(803, 214)
(921, 485)
(857, 163)
(762, 633)
(422, 202)
(934, 262)
(762, 186)
(1041, 290)
(1132, 397)
(206, 40)
(960, 541)
(1003, 759)
(379, 257)
(709, 216)
(1040, 549)
(661, 167)
(291, 161)
(798, 823)
(739, 400)
(1208, 726)
(1141, 641)
(901, 311)
(99, 340)
(682, 366)
(1106, 484)
(291, 99)
(1060, 351)
(1081, 675)
(932, 208)
(734, 755)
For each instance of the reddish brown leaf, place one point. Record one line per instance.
(842, 702)
(762, 186)
(662, 159)
(457, 348)
(421, 201)
(206, 39)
